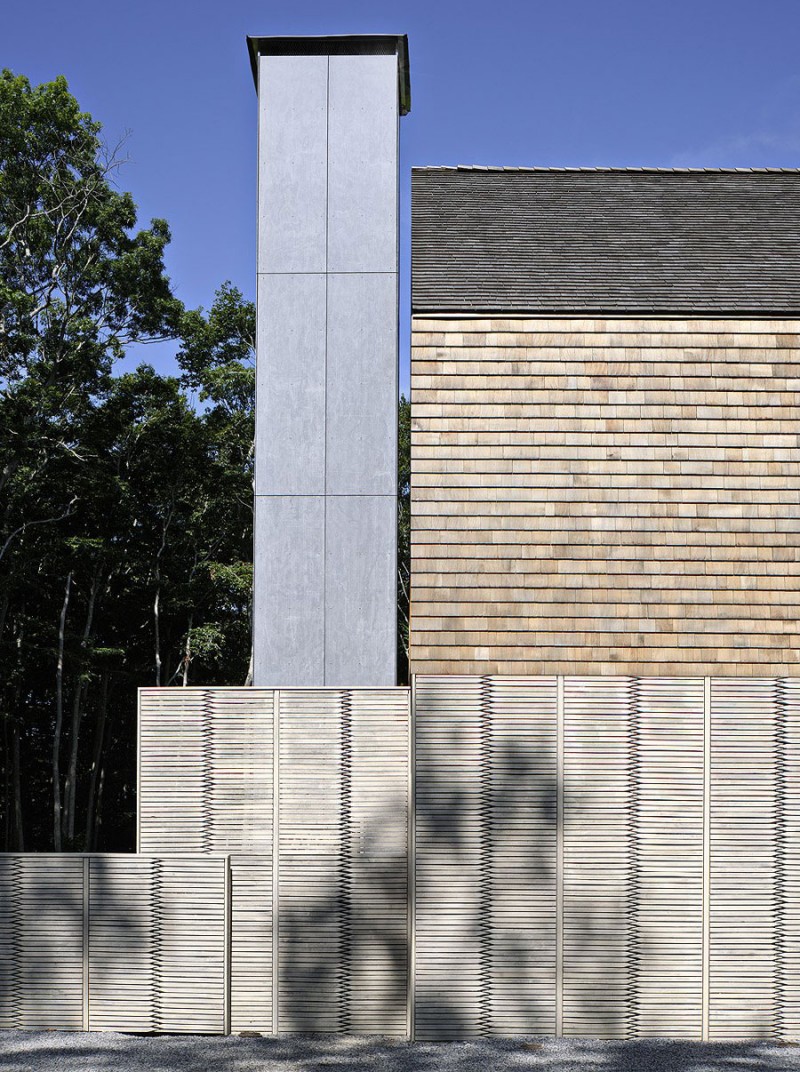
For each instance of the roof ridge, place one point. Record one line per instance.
(647, 170)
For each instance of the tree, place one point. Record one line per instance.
(125, 508)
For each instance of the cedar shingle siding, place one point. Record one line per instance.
(605, 494)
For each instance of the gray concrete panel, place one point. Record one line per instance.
(361, 421)
(289, 591)
(360, 557)
(292, 163)
(362, 164)
(290, 385)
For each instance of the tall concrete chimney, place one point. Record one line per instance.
(326, 383)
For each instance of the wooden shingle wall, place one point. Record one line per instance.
(605, 496)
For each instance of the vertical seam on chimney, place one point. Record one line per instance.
(325, 388)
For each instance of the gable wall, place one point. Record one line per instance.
(605, 495)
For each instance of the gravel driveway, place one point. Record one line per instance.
(54, 1051)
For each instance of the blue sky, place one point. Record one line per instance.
(573, 82)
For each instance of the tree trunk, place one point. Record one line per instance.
(18, 829)
(7, 782)
(187, 652)
(156, 630)
(98, 818)
(59, 720)
(157, 600)
(77, 712)
(99, 739)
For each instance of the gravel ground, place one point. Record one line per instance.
(56, 1051)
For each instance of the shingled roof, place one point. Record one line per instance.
(606, 240)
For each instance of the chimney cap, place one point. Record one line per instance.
(339, 45)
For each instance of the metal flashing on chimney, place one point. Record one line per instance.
(339, 45)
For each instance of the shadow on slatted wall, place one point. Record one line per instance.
(344, 942)
(41, 942)
(486, 814)
(112, 943)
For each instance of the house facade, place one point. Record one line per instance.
(605, 372)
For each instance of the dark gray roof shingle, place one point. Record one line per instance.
(606, 240)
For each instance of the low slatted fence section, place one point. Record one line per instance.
(113, 942)
(42, 942)
(319, 942)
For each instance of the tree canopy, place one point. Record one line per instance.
(125, 500)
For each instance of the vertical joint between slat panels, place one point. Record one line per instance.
(346, 863)
(559, 1018)
(228, 938)
(706, 857)
(779, 1025)
(412, 856)
(485, 865)
(85, 941)
(633, 892)
(276, 710)
(156, 948)
(207, 745)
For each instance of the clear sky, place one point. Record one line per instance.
(550, 82)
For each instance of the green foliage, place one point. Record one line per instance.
(125, 509)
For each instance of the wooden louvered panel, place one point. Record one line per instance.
(597, 849)
(174, 801)
(205, 762)
(309, 838)
(156, 944)
(251, 944)
(787, 864)
(122, 943)
(377, 846)
(192, 933)
(342, 858)
(450, 951)
(743, 842)
(41, 942)
(666, 897)
(240, 759)
(523, 797)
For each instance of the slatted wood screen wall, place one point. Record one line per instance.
(107, 942)
(607, 856)
(336, 959)
(592, 856)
